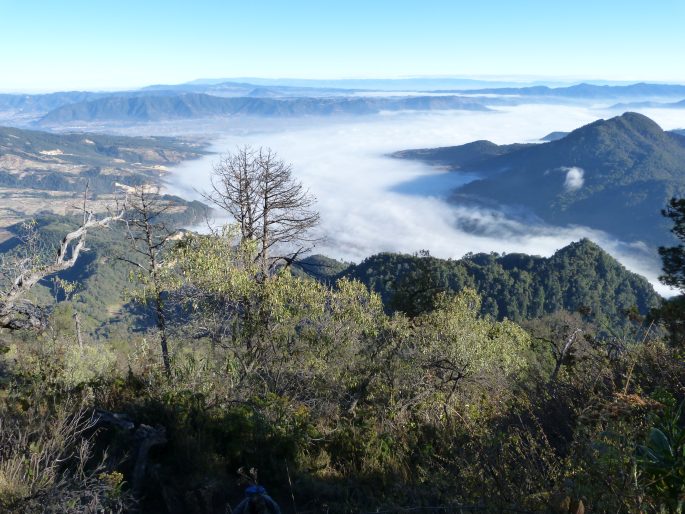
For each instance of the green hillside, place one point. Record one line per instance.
(514, 286)
(320, 267)
(101, 277)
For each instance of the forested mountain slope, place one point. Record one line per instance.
(515, 286)
(613, 175)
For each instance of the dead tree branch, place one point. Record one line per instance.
(16, 313)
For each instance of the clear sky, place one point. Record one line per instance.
(98, 44)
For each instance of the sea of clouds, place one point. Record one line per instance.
(370, 202)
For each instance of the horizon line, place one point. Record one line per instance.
(523, 80)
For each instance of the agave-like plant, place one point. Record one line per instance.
(662, 460)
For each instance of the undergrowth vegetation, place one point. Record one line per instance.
(337, 404)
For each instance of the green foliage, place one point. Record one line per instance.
(456, 335)
(514, 286)
(48, 462)
(98, 285)
(337, 401)
(661, 458)
(62, 365)
(672, 312)
(674, 257)
(320, 267)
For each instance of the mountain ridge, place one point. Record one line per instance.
(198, 105)
(599, 175)
(586, 90)
(516, 286)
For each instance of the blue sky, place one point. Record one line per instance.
(75, 44)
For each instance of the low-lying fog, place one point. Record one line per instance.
(371, 203)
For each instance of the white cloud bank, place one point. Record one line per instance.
(370, 203)
(574, 178)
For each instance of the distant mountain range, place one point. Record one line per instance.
(586, 91)
(232, 88)
(478, 155)
(649, 105)
(197, 105)
(292, 97)
(398, 84)
(614, 175)
(45, 102)
(553, 136)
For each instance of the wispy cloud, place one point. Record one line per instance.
(574, 178)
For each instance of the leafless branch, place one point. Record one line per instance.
(258, 190)
(15, 313)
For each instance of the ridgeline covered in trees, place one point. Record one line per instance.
(579, 277)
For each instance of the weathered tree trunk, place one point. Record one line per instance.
(561, 356)
(77, 322)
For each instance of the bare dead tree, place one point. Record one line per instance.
(258, 190)
(149, 236)
(235, 189)
(17, 313)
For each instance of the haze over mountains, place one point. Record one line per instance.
(589, 91)
(295, 98)
(657, 105)
(195, 105)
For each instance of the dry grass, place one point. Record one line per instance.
(46, 464)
